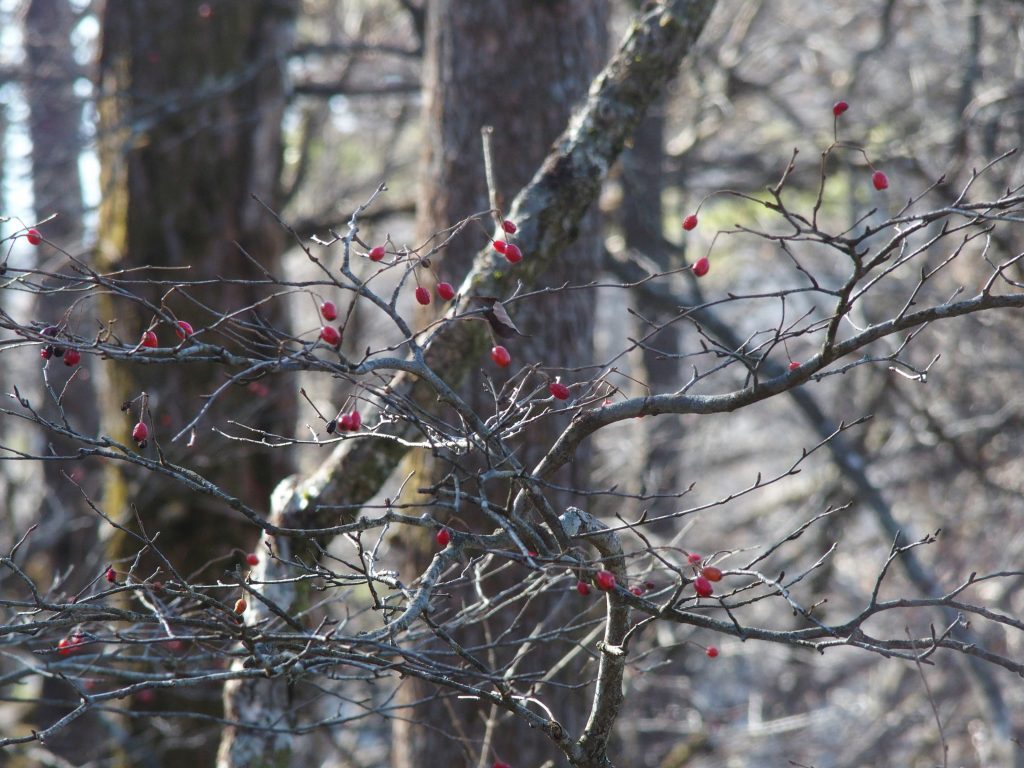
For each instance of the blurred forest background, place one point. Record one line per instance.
(149, 132)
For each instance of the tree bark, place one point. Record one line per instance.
(191, 101)
(493, 63)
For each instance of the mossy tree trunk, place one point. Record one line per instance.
(191, 102)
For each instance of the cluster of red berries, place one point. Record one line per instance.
(705, 575)
(445, 292)
(878, 179)
(69, 645)
(347, 422)
(703, 264)
(72, 357)
(506, 248)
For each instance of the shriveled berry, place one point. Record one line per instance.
(605, 580)
(693, 558)
(508, 226)
(690, 222)
(34, 237)
(376, 253)
(184, 329)
(422, 295)
(140, 433)
(711, 652)
(329, 310)
(638, 591)
(445, 292)
(703, 587)
(839, 107)
(500, 356)
(711, 573)
(513, 254)
(558, 390)
(443, 537)
(149, 339)
(331, 426)
(330, 335)
(880, 180)
(701, 266)
(583, 588)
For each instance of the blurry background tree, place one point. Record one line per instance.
(191, 105)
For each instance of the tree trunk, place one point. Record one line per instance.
(191, 103)
(495, 63)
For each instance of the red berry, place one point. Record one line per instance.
(703, 587)
(345, 422)
(443, 537)
(240, 605)
(500, 356)
(880, 180)
(376, 253)
(558, 390)
(46, 352)
(149, 339)
(72, 357)
(793, 365)
(355, 421)
(110, 575)
(583, 588)
(422, 295)
(649, 585)
(637, 590)
(500, 246)
(508, 226)
(690, 222)
(330, 335)
(605, 580)
(445, 292)
(69, 645)
(146, 696)
(513, 254)
(711, 652)
(501, 764)
(701, 266)
(140, 433)
(252, 559)
(184, 329)
(34, 237)
(694, 558)
(839, 107)
(711, 573)
(329, 311)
